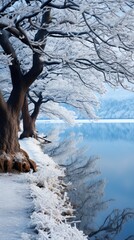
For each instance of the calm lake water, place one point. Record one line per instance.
(99, 160)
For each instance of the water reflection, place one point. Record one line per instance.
(87, 188)
(75, 147)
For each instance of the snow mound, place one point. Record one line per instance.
(52, 217)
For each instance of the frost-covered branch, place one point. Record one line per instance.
(75, 46)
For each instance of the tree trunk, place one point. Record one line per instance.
(28, 122)
(29, 129)
(8, 132)
(12, 158)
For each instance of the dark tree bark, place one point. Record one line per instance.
(10, 152)
(29, 129)
(8, 128)
(12, 158)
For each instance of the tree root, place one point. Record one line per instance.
(18, 162)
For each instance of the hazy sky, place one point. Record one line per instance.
(119, 93)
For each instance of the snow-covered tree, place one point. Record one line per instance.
(78, 45)
(12, 157)
(66, 79)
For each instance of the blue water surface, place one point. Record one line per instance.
(113, 144)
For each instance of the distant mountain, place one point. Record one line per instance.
(116, 109)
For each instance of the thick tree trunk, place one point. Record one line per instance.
(8, 132)
(12, 158)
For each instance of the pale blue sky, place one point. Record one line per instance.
(119, 93)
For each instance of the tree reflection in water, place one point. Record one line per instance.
(86, 188)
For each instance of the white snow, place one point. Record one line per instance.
(15, 206)
(35, 205)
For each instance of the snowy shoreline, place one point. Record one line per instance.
(52, 208)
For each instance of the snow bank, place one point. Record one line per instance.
(53, 214)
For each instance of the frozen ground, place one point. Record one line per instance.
(35, 206)
(15, 206)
